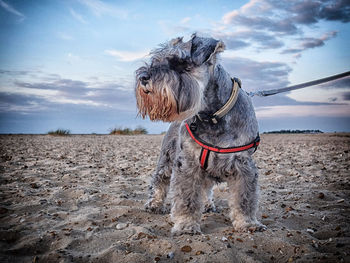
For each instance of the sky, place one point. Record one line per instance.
(70, 64)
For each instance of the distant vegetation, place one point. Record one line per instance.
(295, 131)
(127, 131)
(59, 132)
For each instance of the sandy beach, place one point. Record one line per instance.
(80, 198)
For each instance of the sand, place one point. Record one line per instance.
(80, 198)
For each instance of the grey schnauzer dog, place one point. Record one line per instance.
(184, 84)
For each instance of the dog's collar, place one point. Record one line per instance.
(214, 118)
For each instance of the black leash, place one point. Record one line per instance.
(265, 93)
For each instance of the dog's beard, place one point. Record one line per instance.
(158, 104)
(165, 100)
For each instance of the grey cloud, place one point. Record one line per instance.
(10, 98)
(311, 11)
(284, 16)
(36, 74)
(282, 99)
(14, 72)
(308, 43)
(240, 40)
(266, 41)
(256, 22)
(312, 43)
(234, 44)
(346, 95)
(343, 83)
(317, 42)
(104, 94)
(336, 11)
(64, 86)
(265, 76)
(20, 102)
(305, 12)
(291, 51)
(114, 95)
(258, 75)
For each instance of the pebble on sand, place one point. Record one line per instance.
(121, 226)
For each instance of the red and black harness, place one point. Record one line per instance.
(207, 147)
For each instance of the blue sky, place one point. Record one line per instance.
(70, 63)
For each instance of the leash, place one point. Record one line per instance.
(265, 93)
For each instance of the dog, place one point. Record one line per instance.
(211, 139)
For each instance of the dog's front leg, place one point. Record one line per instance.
(244, 193)
(158, 191)
(186, 193)
(208, 196)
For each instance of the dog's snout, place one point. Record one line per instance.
(144, 78)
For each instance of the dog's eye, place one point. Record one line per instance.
(179, 65)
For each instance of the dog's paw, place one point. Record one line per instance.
(257, 227)
(156, 208)
(254, 226)
(190, 229)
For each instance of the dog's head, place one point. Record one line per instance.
(171, 87)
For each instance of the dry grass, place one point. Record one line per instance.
(126, 131)
(59, 132)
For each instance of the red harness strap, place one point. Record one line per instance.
(207, 148)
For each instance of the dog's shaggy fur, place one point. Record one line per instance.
(183, 79)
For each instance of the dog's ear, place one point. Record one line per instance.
(176, 41)
(181, 50)
(205, 49)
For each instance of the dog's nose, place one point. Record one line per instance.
(144, 78)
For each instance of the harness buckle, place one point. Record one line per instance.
(256, 143)
(207, 118)
(193, 126)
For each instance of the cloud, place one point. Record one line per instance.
(269, 22)
(330, 93)
(262, 23)
(14, 72)
(257, 75)
(12, 10)
(312, 11)
(20, 103)
(284, 100)
(284, 16)
(309, 42)
(346, 96)
(100, 8)
(231, 42)
(336, 11)
(77, 16)
(127, 56)
(338, 84)
(62, 85)
(239, 39)
(50, 91)
(303, 111)
(185, 20)
(266, 20)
